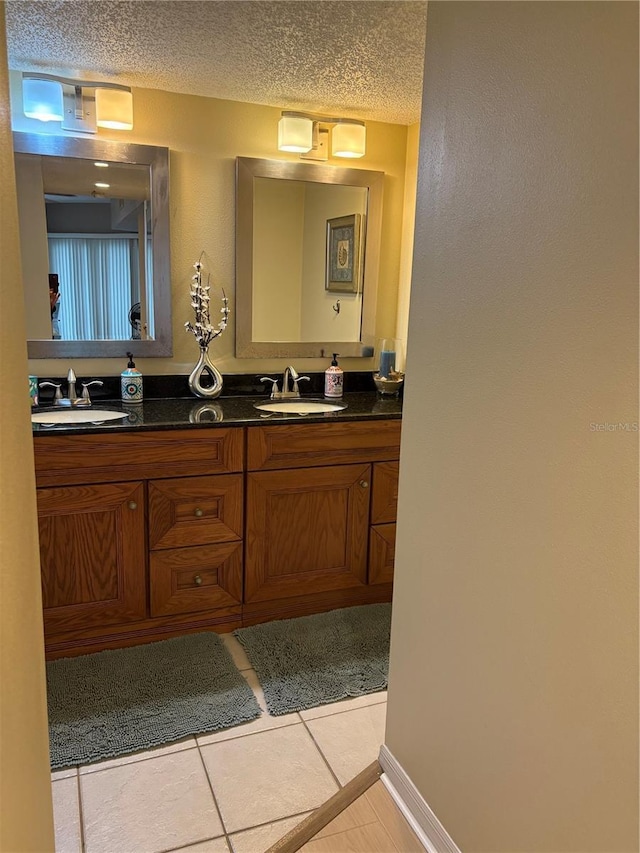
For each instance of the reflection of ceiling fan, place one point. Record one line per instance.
(134, 320)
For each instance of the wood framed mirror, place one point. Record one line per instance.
(94, 231)
(285, 250)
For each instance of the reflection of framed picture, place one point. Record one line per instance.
(344, 267)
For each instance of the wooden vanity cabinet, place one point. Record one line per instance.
(152, 534)
(309, 503)
(140, 535)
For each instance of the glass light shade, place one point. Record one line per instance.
(114, 109)
(42, 99)
(295, 134)
(348, 139)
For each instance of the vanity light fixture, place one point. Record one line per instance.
(80, 105)
(300, 132)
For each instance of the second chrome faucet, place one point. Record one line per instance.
(290, 389)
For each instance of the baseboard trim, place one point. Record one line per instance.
(432, 834)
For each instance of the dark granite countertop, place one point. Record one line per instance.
(191, 412)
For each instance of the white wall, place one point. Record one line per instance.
(513, 698)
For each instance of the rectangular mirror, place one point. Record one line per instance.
(94, 234)
(307, 256)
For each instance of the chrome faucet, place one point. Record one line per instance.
(72, 398)
(290, 389)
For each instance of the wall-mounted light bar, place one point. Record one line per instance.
(299, 133)
(79, 105)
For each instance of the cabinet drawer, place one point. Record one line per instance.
(186, 580)
(195, 511)
(382, 546)
(306, 445)
(102, 458)
(384, 496)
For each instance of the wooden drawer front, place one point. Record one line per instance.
(306, 531)
(384, 497)
(382, 546)
(100, 457)
(303, 445)
(92, 555)
(195, 510)
(186, 580)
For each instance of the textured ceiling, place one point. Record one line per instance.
(358, 59)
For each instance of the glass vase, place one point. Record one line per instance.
(205, 370)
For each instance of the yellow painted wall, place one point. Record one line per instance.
(26, 820)
(513, 695)
(205, 136)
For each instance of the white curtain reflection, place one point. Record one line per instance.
(99, 283)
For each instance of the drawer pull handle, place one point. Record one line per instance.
(132, 505)
(197, 580)
(364, 484)
(199, 513)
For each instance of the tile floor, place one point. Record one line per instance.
(235, 791)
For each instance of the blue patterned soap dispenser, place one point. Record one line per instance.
(131, 382)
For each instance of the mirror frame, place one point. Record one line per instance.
(248, 168)
(117, 152)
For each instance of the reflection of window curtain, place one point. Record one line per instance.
(98, 285)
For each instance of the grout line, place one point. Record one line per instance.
(342, 711)
(215, 802)
(324, 758)
(143, 757)
(83, 843)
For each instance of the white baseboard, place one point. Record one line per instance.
(432, 834)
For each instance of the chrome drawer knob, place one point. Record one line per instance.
(198, 513)
(197, 580)
(132, 505)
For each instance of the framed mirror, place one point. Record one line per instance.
(307, 257)
(94, 236)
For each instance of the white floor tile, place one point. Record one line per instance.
(344, 705)
(64, 774)
(350, 741)
(148, 806)
(262, 837)
(217, 845)
(66, 815)
(237, 652)
(167, 749)
(263, 723)
(266, 776)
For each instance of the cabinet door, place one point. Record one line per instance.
(382, 547)
(384, 500)
(92, 555)
(306, 531)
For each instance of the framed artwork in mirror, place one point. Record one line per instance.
(343, 271)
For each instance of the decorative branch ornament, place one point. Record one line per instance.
(202, 329)
(204, 332)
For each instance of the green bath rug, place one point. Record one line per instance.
(115, 702)
(314, 660)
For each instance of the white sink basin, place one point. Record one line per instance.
(76, 416)
(299, 407)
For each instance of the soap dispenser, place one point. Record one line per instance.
(131, 382)
(333, 378)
